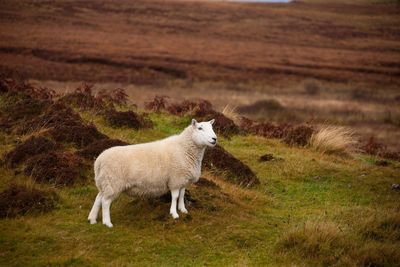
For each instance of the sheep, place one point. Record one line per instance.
(152, 169)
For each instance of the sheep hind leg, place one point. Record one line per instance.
(174, 198)
(106, 204)
(181, 201)
(95, 209)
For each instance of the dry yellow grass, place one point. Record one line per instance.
(333, 139)
(231, 113)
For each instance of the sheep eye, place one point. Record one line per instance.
(200, 128)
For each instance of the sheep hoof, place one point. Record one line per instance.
(92, 221)
(184, 210)
(175, 215)
(110, 225)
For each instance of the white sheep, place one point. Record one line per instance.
(152, 169)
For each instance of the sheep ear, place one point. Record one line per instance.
(212, 121)
(194, 122)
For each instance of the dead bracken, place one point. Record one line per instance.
(19, 200)
(298, 135)
(201, 109)
(31, 147)
(94, 149)
(126, 119)
(158, 104)
(58, 168)
(264, 129)
(65, 125)
(20, 110)
(222, 162)
(82, 98)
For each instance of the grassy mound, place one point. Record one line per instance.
(94, 149)
(58, 168)
(201, 110)
(224, 163)
(65, 126)
(20, 200)
(31, 147)
(126, 119)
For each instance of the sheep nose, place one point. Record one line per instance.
(214, 139)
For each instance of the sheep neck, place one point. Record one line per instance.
(194, 153)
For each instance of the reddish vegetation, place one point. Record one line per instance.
(264, 129)
(31, 147)
(83, 98)
(221, 161)
(159, 103)
(21, 110)
(13, 87)
(94, 149)
(126, 119)
(298, 135)
(65, 126)
(373, 147)
(206, 40)
(59, 168)
(202, 110)
(113, 97)
(20, 200)
(291, 135)
(198, 108)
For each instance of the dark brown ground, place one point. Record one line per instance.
(150, 41)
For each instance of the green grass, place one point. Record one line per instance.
(344, 197)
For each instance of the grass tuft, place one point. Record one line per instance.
(231, 113)
(323, 241)
(333, 139)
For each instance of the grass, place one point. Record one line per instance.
(318, 202)
(333, 139)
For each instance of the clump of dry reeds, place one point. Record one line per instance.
(231, 113)
(333, 139)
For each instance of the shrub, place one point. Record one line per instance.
(158, 104)
(13, 87)
(19, 200)
(31, 147)
(333, 139)
(21, 109)
(221, 161)
(82, 98)
(202, 110)
(112, 97)
(265, 129)
(58, 168)
(126, 119)
(94, 149)
(64, 126)
(298, 135)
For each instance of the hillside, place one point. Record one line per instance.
(308, 209)
(150, 42)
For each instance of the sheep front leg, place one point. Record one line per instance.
(174, 198)
(181, 201)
